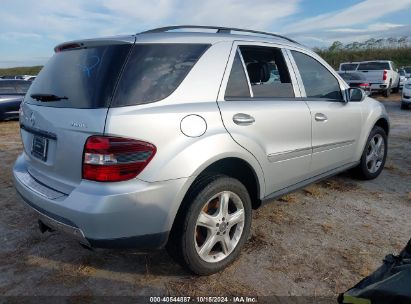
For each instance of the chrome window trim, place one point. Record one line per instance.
(245, 72)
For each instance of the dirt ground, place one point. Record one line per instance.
(315, 242)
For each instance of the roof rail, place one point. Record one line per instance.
(219, 29)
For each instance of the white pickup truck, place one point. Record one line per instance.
(382, 75)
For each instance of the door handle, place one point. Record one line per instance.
(243, 119)
(320, 117)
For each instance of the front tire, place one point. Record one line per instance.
(374, 155)
(214, 227)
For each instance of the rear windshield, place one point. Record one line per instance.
(87, 76)
(407, 69)
(352, 76)
(348, 66)
(154, 71)
(14, 87)
(374, 66)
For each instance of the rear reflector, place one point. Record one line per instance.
(113, 159)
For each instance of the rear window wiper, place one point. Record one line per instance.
(47, 97)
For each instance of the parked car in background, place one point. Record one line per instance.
(407, 70)
(31, 78)
(348, 66)
(26, 77)
(406, 95)
(170, 139)
(403, 77)
(11, 95)
(10, 77)
(356, 80)
(382, 75)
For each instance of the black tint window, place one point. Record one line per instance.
(237, 85)
(348, 66)
(352, 76)
(318, 81)
(7, 87)
(267, 71)
(374, 66)
(85, 76)
(22, 86)
(154, 71)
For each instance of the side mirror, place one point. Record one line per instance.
(356, 94)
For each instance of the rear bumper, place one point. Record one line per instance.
(132, 214)
(378, 86)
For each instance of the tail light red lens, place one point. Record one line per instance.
(364, 85)
(384, 75)
(113, 159)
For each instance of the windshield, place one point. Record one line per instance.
(374, 65)
(407, 69)
(348, 66)
(87, 77)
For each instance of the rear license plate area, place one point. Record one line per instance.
(39, 147)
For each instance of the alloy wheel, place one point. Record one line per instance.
(375, 153)
(219, 227)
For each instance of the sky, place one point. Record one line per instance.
(29, 30)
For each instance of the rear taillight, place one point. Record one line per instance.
(384, 75)
(113, 159)
(364, 85)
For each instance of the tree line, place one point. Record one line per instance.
(395, 49)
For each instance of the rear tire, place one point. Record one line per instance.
(397, 89)
(374, 155)
(387, 92)
(213, 227)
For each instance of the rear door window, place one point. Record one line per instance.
(317, 79)
(267, 72)
(154, 71)
(86, 76)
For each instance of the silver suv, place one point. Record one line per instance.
(170, 138)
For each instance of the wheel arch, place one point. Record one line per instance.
(383, 123)
(232, 166)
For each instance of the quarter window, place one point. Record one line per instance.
(237, 85)
(317, 79)
(154, 71)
